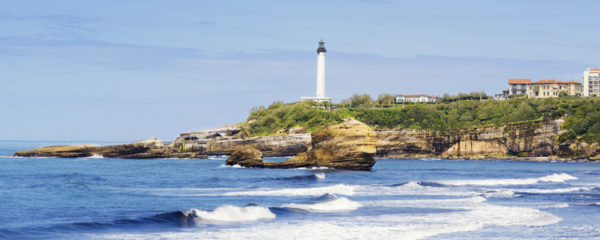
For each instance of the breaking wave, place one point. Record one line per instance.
(341, 204)
(556, 178)
(339, 189)
(229, 213)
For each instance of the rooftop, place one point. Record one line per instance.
(528, 81)
(519, 81)
(416, 95)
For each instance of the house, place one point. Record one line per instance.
(503, 95)
(518, 85)
(415, 98)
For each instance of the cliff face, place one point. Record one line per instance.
(532, 139)
(348, 145)
(224, 141)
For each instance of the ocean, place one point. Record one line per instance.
(106, 198)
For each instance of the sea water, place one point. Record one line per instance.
(107, 198)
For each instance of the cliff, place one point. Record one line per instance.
(348, 145)
(535, 140)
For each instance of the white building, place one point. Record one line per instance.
(591, 82)
(321, 96)
(421, 98)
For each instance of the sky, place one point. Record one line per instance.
(129, 70)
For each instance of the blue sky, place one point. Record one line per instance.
(130, 70)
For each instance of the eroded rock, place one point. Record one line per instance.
(348, 145)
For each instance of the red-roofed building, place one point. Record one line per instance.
(415, 98)
(591, 82)
(518, 85)
(553, 88)
(544, 88)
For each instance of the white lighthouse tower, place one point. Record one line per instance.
(321, 96)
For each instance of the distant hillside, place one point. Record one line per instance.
(582, 115)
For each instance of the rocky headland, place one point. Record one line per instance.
(348, 145)
(532, 140)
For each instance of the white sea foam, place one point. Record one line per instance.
(556, 190)
(228, 213)
(454, 203)
(95, 156)
(339, 189)
(500, 193)
(555, 205)
(387, 226)
(411, 188)
(557, 177)
(412, 185)
(231, 166)
(341, 204)
(320, 175)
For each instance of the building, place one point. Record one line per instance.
(553, 88)
(544, 88)
(503, 95)
(591, 82)
(415, 98)
(518, 85)
(321, 96)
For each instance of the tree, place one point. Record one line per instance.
(357, 101)
(386, 99)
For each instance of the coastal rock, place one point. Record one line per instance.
(247, 157)
(151, 148)
(225, 141)
(348, 145)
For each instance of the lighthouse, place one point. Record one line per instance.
(321, 96)
(321, 69)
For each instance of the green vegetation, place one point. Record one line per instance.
(582, 115)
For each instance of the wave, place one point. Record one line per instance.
(316, 176)
(368, 226)
(229, 213)
(94, 156)
(339, 189)
(557, 190)
(418, 185)
(453, 203)
(500, 194)
(341, 204)
(556, 178)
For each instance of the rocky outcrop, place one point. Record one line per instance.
(348, 145)
(151, 148)
(226, 140)
(247, 157)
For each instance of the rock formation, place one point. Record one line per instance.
(348, 145)
(226, 140)
(535, 140)
(151, 148)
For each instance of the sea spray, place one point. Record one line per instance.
(228, 213)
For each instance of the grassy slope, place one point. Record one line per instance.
(582, 116)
